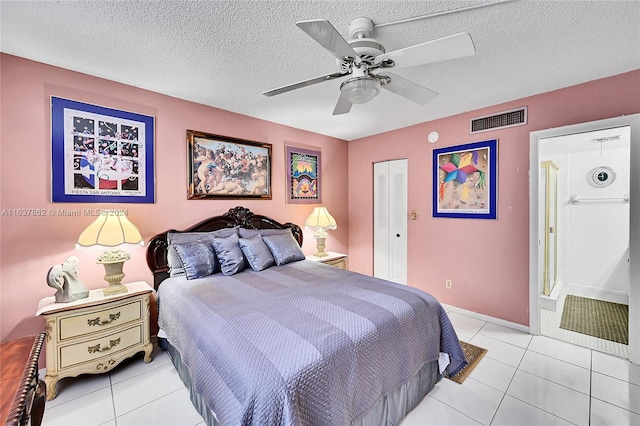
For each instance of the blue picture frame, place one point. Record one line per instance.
(100, 155)
(465, 181)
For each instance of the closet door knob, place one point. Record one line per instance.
(398, 235)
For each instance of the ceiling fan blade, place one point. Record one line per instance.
(343, 106)
(408, 89)
(304, 83)
(452, 47)
(324, 33)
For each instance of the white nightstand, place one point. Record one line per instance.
(338, 260)
(95, 334)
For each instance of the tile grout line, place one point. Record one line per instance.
(146, 403)
(518, 368)
(590, 385)
(526, 402)
(475, 333)
(113, 401)
(504, 394)
(622, 407)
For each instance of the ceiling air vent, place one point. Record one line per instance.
(515, 117)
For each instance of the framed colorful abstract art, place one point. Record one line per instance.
(100, 155)
(465, 179)
(225, 168)
(303, 175)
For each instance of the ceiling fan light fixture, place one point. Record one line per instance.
(360, 90)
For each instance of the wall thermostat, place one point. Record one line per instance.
(601, 176)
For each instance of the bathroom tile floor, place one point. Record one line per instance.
(523, 380)
(550, 326)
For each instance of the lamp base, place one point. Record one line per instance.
(114, 276)
(320, 247)
(114, 289)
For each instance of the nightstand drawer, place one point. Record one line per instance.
(90, 350)
(337, 260)
(338, 263)
(96, 321)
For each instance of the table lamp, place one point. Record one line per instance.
(112, 231)
(320, 220)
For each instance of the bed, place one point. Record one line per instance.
(280, 340)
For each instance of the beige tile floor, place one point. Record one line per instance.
(523, 380)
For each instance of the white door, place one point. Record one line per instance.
(390, 220)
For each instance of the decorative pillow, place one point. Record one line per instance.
(256, 252)
(197, 258)
(248, 233)
(175, 264)
(229, 254)
(284, 248)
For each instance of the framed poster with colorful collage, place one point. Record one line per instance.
(465, 181)
(303, 175)
(101, 155)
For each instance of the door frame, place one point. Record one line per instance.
(634, 217)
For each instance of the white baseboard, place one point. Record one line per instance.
(487, 318)
(614, 296)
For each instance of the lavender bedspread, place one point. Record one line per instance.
(303, 343)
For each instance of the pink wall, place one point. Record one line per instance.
(31, 245)
(487, 260)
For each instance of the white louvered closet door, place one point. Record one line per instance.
(390, 220)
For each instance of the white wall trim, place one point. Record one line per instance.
(597, 293)
(487, 318)
(634, 232)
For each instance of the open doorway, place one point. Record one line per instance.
(584, 242)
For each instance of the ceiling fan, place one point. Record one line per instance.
(360, 56)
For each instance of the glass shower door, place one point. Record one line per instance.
(550, 181)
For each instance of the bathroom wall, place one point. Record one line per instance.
(593, 252)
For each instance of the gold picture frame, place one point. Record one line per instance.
(222, 167)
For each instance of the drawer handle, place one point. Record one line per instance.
(96, 321)
(97, 348)
(106, 366)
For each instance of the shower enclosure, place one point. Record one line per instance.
(549, 181)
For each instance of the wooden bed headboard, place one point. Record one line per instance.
(237, 216)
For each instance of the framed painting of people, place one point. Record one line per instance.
(226, 167)
(100, 154)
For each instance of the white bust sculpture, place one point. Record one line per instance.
(64, 278)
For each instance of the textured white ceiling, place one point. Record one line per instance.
(226, 53)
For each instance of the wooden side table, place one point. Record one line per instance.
(93, 335)
(22, 393)
(338, 260)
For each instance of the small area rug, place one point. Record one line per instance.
(474, 354)
(597, 318)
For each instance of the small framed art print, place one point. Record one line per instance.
(303, 175)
